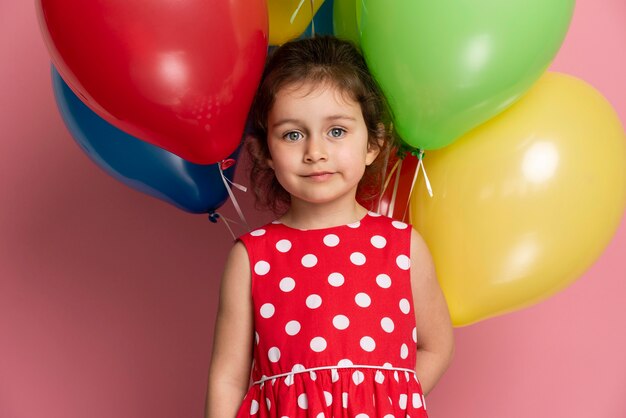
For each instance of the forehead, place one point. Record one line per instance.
(322, 93)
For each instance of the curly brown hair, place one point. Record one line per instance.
(319, 60)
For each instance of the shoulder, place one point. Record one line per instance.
(238, 260)
(422, 264)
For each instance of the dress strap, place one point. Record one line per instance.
(352, 366)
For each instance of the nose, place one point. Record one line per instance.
(315, 149)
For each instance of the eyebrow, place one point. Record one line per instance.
(329, 118)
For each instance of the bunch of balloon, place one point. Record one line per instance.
(526, 202)
(151, 96)
(528, 168)
(140, 165)
(179, 75)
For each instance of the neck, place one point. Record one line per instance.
(307, 215)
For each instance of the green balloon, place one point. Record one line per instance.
(344, 20)
(447, 66)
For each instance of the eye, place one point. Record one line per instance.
(292, 136)
(337, 132)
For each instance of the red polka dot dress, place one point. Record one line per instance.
(335, 333)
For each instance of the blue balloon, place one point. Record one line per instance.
(145, 167)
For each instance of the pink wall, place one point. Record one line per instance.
(108, 297)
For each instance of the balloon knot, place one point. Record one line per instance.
(404, 150)
(214, 216)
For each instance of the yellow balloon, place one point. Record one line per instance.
(289, 18)
(526, 202)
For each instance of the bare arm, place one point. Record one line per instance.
(435, 337)
(229, 371)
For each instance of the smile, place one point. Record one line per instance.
(322, 176)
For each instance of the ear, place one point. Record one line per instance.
(372, 152)
(270, 163)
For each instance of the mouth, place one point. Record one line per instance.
(319, 176)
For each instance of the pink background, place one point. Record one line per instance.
(108, 297)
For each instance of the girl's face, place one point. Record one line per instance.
(318, 142)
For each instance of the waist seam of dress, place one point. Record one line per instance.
(354, 366)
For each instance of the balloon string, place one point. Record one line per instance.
(214, 216)
(237, 185)
(417, 170)
(295, 13)
(312, 18)
(232, 196)
(421, 163)
(386, 184)
(383, 182)
(392, 202)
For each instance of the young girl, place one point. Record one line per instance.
(336, 309)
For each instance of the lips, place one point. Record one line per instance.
(319, 175)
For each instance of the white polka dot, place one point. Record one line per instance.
(414, 334)
(314, 301)
(289, 380)
(344, 363)
(405, 306)
(387, 324)
(267, 310)
(402, 401)
(387, 366)
(292, 327)
(368, 344)
(389, 415)
(357, 258)
(395, 376)
(287, 284)
(257, 232)
(379, 377)
(297, 368)
(417, 400)
(404, 351)
(399, 225)
(273, 354)
(355, 224)
(406, 376)
(328, 397)
(344, 399)
(362, 416)
(268, 403)
(363, 300)
(283, 245)
(334, 375)
(336, 279)
(309, 260)
(320, 415)
(303, 401)
(318, 344)
(341, 322)
(358, 377)
(378, 241)
(383, 280)
(261, 267)
(313, 375)
(403, 262)
(331, 240)
(254, 407)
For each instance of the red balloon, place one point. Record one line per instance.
(178, 74)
